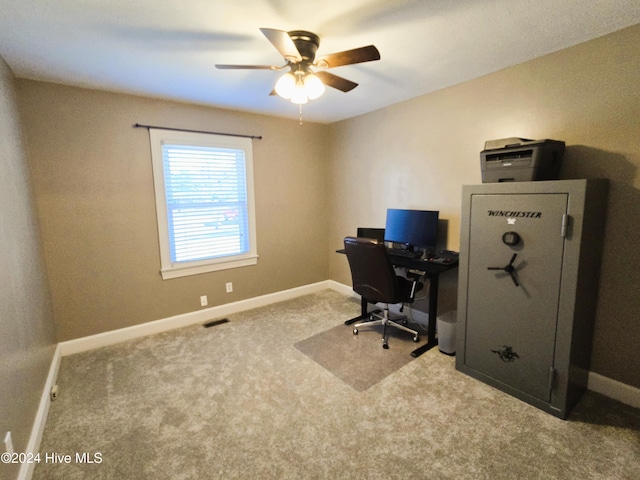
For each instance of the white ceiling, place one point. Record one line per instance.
(168, 48)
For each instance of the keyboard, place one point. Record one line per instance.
(443, 260)
(403, 253)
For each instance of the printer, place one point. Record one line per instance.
(520, 160)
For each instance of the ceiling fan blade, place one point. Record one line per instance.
(331, 80)
(349, 57)
(283, 43)
(247, 67)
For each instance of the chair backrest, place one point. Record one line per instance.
(372, 274)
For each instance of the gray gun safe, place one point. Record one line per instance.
(528, 276)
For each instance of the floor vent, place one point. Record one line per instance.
(215, 322)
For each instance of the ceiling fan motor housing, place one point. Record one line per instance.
(307, 44)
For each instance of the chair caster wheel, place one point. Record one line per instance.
(385, 345)
(416, 338)
(355, 331)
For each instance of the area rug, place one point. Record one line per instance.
(359, 360)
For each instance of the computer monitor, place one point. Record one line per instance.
(415, 229)
(375, 233)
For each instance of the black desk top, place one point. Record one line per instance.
(430, 268)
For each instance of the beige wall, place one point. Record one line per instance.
(27, 337)
(419, 153)
(94, 191)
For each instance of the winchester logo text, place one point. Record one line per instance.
(513, 214)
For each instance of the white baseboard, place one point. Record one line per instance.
(614, 389)
(26, 470)
(91, 342)
(342, 288)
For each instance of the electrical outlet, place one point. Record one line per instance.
(8, 443)
(54, 392)
(229, 287)
(203, 301)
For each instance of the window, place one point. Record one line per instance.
(204, 201)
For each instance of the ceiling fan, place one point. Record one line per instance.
(302, 82)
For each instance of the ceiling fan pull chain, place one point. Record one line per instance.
(300, 114)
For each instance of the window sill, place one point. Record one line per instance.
(184, 271)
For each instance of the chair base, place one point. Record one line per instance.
(385, 321)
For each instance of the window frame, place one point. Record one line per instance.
(169, 269)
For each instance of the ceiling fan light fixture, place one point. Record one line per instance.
(299, 96)
(299, 87)
(313, 86)
(286, 85)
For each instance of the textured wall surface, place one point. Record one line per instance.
(27, 336)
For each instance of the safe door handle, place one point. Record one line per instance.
(510, 269)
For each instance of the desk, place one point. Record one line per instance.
(430, 271)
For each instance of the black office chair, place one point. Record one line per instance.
(375, 279)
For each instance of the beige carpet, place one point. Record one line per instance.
(359, 360)
(240, 401)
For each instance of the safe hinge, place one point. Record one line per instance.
(564, 226)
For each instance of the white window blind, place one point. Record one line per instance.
(204, 199)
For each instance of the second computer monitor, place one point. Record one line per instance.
(416, 229)
(375, 233)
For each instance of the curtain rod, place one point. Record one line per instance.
(255, 137)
